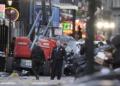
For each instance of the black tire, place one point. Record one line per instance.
(9, 64)
(46, 68)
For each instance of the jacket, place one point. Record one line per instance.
(58, 54)
(116, 59)
(37, 53)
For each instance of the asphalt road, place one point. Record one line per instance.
(31, 81)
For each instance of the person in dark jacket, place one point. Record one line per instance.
(57, 57)
(115, 53)
(12, 45)
(79, 32)
(38, 58)
(99, 48)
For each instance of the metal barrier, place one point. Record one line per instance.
(3, 35)
(3, 43)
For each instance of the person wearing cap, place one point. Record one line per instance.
(38, 57)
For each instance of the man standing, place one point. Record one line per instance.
(67, 48)
(37, 57)
(12, 46)
(57, 57)
(79, 32)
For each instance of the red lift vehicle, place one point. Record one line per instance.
(24, 46)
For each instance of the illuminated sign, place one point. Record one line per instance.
(67, 26)
(2, 11)
(12, 13)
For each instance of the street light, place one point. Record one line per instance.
(10, 2)
(9, 30)
(106, 25)
(112, 25)
(99, 25)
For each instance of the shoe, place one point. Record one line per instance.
(51, 79)
(37, 77)
(58, 78)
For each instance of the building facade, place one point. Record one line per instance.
(111, 11)
(115, 7)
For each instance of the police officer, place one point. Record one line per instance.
(37, 57)
(57, 57)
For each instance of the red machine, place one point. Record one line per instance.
(24, 46)
(22, 54)
(23, 43)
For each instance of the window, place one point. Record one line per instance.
(116, 3)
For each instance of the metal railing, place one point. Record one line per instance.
(44, 32)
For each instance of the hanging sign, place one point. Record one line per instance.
(2, 10)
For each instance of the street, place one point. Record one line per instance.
(31, 81)
(76, 39)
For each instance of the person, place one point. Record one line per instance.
(79, 32)
(38, 57)
(12, 46)
(115, 61)
(67, 48)
(107, 45)
(57, 57)
(99, 48)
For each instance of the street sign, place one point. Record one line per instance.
(11, 12)
(2, 10)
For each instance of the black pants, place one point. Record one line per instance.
(56, 69)
(36, 64)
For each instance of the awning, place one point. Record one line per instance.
(65, 6)
(60, 5)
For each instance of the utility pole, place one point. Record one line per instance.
(89, 42)
(44, 12)
(74, 18)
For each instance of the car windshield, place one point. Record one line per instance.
(70, 41)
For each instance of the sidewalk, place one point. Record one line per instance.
(31, 81)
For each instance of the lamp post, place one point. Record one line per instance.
(106, 26)
(9, 29)
(73, 19)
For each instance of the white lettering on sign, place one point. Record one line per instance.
(46, 44)
(22, 43)
(28, 64)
